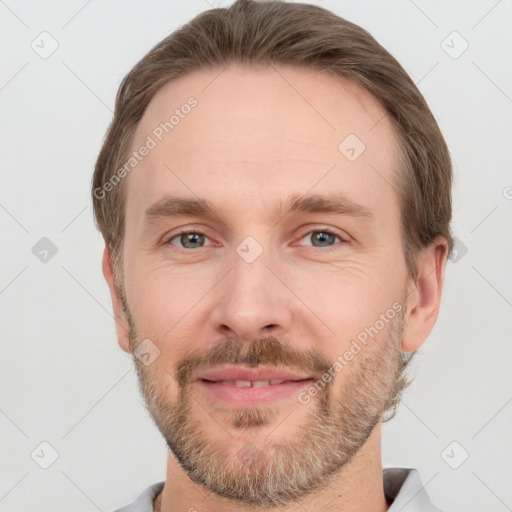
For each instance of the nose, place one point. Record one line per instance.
(252, 303)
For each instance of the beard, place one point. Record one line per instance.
(338, 422)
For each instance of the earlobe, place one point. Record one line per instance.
(424, 296)
(122, 325)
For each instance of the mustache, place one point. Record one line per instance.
(268, 351)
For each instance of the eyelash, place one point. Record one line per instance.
(317, 230)
(325, 231)
(185, 232)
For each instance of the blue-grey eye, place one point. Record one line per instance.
(322, 238)
(190, 240)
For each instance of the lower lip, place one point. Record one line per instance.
(249, 397)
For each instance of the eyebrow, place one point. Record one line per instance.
(334, 203)
(170, 206)
(174, 206)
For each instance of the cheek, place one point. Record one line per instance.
(347, 298)
(159, 300)
(171, 306)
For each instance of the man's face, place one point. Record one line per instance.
(299, 255)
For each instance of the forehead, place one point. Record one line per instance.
(264, 130)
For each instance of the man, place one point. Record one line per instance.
(274, 195)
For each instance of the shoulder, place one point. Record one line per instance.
(144, 502)
(405, 491)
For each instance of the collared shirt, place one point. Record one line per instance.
(402, 488)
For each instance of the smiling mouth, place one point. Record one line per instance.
(251, 383)
(244, 394)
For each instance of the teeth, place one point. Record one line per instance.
(249, 383)
(260, 383)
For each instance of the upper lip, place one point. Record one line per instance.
(252, 374)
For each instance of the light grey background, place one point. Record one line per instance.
(63, 378)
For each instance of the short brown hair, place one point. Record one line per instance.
(303, 35)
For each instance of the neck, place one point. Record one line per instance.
(359, 486)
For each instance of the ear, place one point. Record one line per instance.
(122, 325)
(424, 295)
